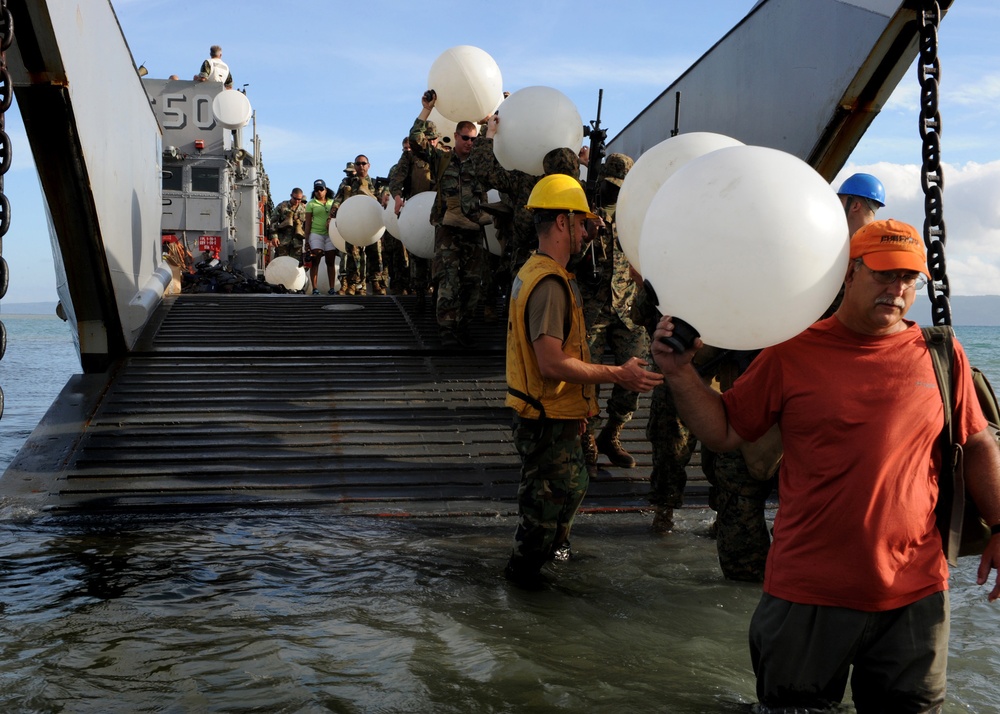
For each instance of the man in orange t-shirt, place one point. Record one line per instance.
(856, 575)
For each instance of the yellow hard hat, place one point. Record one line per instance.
(559, 192)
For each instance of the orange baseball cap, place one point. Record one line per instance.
(890, 245)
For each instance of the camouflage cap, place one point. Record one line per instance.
(350, 169)
(616, 166)
(562, 161)
(430, 130)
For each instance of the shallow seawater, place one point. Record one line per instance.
(305, 612)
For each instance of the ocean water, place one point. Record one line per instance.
(303, 612)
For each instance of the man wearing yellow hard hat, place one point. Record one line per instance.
(550, 380)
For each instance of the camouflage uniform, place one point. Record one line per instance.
(608, 297)
(553, 484)
(410, 176)
(672, 443)
(458, 263)
(739, 499)
(360, 265)
(288, 226)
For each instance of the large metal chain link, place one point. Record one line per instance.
(931, 174)
(6, 97)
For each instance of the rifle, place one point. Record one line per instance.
(596, 159)
(597, 136)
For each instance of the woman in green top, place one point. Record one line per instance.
(316, 226)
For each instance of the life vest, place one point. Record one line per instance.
(528, 393)
(219, 70)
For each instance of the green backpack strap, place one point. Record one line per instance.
(950, 507)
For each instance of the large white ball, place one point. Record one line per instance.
(415, 229)
(390, 219)
(747, 244)
(468, 83)
(322, 278)
(359, 220)
(533, 121)
(651, 170)
(493, 196)
(286, 271)
(338, 240)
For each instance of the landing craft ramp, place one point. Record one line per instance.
(281, 401)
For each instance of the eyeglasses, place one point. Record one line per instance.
(360, 163)
(297, 198)
(463, 137)
(889, 277)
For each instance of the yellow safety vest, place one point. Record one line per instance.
(528, 393)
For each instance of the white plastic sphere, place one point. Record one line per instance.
(747, 244)
(390, 219)
(338, 240)
(651, 170)
(493, 196)
(533, 121)
(322, 279)
(468, 83)
(231, 109)
(415, 229)
(285, 270)
(445, 127)
(359, 220)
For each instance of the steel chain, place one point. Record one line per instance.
(931, 173)
(6, 97)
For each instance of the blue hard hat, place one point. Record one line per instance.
(864, 185)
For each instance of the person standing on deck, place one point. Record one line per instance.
(856, 576)
(550, 380)
(365, 263)
(214, 69)
(458, 219)
(608, 297)
(320, 244)
(288, 231)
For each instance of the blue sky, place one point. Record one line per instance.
(331, 80)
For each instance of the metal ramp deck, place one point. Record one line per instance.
(279, 401)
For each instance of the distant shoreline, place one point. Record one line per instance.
(966, 310)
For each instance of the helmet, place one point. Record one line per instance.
(615, 167)
(559, 192)
(865, 186)
(561, 161)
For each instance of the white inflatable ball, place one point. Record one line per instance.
(651, 170)
(445, 127)
(286, 271)
(415, 229)
(231, 109)
(493, 196)
(390, 219)
(338, 240)
(359, 220)
(322, 279)
(747, 244)
(533, 121)
(468, 83)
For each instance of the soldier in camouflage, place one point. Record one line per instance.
(738, 491)
(410, 176)
(288, 226)
(361, 265)
(458, 238)
(671, 442)
(608, 296)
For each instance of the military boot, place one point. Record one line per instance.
(609, 443)
(663, 519)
